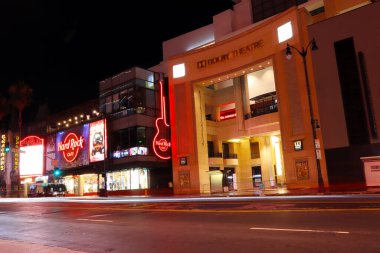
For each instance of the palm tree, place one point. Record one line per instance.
(20, 96)
(4, 107)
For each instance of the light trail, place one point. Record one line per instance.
(300, 230)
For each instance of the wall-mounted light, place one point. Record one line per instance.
(179, 70)
(285, 32)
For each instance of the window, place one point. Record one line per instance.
(210, 147)
(263, 9)
(109, 104)
(255, 150)
(138, 136)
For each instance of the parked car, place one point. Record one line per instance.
(47, 190)
(35, 190)
(55, 190)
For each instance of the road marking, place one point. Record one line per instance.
(95, 220)
(301, 230)
(226, 210)
(99, 215)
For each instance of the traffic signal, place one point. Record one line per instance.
(57, 172)
(7, 148)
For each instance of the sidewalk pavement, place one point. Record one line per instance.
(11, 246)
(294, 192)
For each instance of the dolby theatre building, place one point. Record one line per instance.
(240, 115)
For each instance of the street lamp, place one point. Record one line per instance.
(314, 123)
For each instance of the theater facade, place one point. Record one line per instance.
(240, 113)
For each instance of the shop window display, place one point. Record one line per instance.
(131, 179)
(90, 183)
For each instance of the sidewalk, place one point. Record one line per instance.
(11, 246)
(293, 192)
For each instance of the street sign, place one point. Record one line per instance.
(319, 154)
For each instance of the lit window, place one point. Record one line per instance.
(179, 70)
(285, 32)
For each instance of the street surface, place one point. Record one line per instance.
(236, 224)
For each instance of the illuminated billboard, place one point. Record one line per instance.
(98, 141)
(50, 161)
(31, 156)
(72, 147)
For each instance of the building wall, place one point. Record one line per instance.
(343, 158)
(188, 124)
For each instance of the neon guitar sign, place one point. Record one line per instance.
(161, 144)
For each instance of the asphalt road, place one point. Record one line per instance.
(293, 224)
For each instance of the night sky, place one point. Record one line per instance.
(62, 48)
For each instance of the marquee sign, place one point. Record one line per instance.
(230, 55)
(161, 142)
(31, 156)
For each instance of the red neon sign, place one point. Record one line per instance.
(70, 146)
(31, 140)
(228, 114)
(161, 145)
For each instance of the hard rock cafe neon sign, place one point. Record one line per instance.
(70, 146)
(161, 144)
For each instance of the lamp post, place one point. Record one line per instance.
(314, 123)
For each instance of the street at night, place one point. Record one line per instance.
(190, 126)
(248, 224)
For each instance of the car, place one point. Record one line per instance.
(54, 190)
(35, 190)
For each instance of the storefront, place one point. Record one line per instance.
(79, 152)
(237, 106)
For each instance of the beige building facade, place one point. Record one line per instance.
(240, 115)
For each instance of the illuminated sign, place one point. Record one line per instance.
(130, 152)
(50, 162)
(16, 155)
(161, 145)
(228, 114)
(230, 55)
(71, 146)
(98, 141)
(2, 152)
(31, 156)
(298, 145)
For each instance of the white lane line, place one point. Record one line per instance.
(99, 215)
(95, 220)
(301, 230)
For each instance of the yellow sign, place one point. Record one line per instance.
(2, 152)
(16, 156)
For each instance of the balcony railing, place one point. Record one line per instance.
(264, 105)
(229, 156)
(215, 155)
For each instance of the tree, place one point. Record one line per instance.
(20, 96)
(4, 107)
